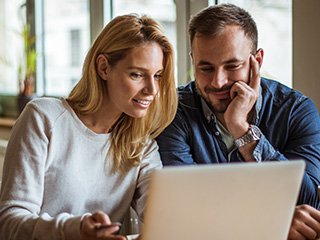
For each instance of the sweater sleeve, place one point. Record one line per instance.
(150, 162)
(23, 184)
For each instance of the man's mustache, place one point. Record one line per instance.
(214, 90)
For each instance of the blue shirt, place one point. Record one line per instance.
(288, 120)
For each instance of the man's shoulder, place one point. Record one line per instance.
(276, 89)
(188, 96)
(186, 90)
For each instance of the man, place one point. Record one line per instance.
(230, 114)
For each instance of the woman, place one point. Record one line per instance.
(73, 166)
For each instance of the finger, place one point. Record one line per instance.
(308, 213)
(299, 230)
(237, 89)
(88, 226)
(314, 213)
(254, 74)
(107, 230)
(307, 233)
(313, 220)
(242, 89)
(114, 237)
(101, 218)
(233, 92)
(304, 223)
(106, 226)
(295, 235)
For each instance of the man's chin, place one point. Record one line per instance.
(220, 107)
(217, 106)
(219, 110)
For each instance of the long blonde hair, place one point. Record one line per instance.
(130, 135)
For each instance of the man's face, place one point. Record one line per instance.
(219, 62)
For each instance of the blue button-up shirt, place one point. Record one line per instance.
(288, 120)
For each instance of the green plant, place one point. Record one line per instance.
(27, 67)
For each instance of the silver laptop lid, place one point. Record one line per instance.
(240, 201)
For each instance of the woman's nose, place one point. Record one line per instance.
(151, 86)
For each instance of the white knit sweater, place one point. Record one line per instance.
(56, 170)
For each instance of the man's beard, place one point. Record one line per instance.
(219, 107)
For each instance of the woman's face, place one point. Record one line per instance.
(133, 82)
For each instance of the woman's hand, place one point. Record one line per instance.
(99, 226)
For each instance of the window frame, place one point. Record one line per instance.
(100, 14)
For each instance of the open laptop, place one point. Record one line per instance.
(241, 201)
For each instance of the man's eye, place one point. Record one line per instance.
(233, 67)
(206, 69)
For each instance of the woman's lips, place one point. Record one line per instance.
(143, 103)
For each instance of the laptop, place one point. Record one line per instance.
(239, 201)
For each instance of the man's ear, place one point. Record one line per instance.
(191, 56)
(192, 64)
(102, 66)
(259, 56)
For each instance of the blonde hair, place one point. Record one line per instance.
(130, 135)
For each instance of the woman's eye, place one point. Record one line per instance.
(136, 76)
(158, 77)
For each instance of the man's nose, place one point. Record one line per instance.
(219, 79)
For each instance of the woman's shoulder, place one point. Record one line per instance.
(150, 158)
(46, 108)
(44, 102)
(47, 104)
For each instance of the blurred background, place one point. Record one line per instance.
(43, 42)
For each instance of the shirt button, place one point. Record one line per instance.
(217, 133)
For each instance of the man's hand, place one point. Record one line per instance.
(244, 96)
(99, 226)
(305, 223)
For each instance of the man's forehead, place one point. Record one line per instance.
(218, 31)
(231, 40)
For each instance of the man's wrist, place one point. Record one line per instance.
(238, 130)
(253, 134)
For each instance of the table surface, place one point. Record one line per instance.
(7, 122)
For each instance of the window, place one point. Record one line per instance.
(163, 11)
(274, 22)
(64, 31)
(65, 43)
(12, 20)
(75, 43)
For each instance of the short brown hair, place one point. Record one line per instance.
(213, 19)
